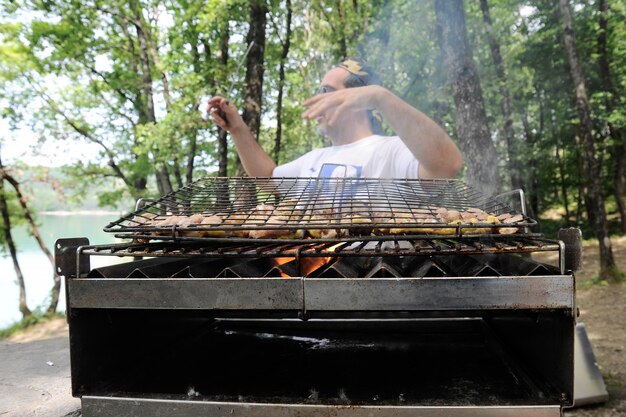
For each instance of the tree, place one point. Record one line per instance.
(286, 44)
(618, 148)
(253, 87)
(505, 103)
(10, 243)
(471, 120)
(34, 230)
(608, 268)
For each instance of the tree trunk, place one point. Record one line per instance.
(343, 43)
(177, 174)
(560, 181)
(164, 185)
(608, 268)
(4, 209)
(618, 149)
(56, 288)
(253, 90)
(533, 183)
(162, 174)
(222, 136)
(583, 202)
(515, 171)
(471, 120)
(281, 84)
(561, 167)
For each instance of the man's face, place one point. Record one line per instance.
(332, 81)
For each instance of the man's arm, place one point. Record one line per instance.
(254, 159)
(438, 155)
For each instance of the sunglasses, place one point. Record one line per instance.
(325, 89)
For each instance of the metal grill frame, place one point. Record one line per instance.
(296, 250)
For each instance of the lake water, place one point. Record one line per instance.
(35, 265)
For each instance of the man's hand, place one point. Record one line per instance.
(255, 160)
(333, 104)
(224, 114)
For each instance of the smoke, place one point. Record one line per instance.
(402, 47)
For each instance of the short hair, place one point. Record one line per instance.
(361, 75)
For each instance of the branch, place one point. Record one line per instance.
(119, 113)
(276, 29)
(29, 218)
(157, 63)
(107, 82)
(85, 134)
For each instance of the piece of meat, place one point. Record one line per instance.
(323, 218)
(510, 219)
(194, 219)
(449, 216)
(186, 223)
(360, 225)
(408, 218)
(259, 215)
(289, 208)
(144, 219)
(281, 232)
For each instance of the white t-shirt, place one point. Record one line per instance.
(371, 157)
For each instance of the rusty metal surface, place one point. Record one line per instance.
(573, 253)
(463, 293)
(181, 293)
(326, 294)
(65, 254)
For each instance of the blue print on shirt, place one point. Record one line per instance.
(340, 171)
(337, 171)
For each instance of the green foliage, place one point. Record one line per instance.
(73, 72)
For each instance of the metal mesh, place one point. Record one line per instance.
(320, 209)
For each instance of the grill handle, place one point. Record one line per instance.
(573, 251)
(522, 198)
(141, 202)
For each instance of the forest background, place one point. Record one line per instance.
(532, 91)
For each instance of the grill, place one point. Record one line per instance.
(311, 297)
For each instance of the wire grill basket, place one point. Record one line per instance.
(320, 209)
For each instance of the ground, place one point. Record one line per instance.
(602, 309)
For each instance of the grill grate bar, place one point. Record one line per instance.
(415, 247)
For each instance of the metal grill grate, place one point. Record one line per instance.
(369, 248)
(301, 209)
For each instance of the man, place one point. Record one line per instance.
(348, 108)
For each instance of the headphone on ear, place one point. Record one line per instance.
(361, 75)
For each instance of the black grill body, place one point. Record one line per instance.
(406, 335)
(439, 319)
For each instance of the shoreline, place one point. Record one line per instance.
(81, 213)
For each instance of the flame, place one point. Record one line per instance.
(281, 261)
(307, 264)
